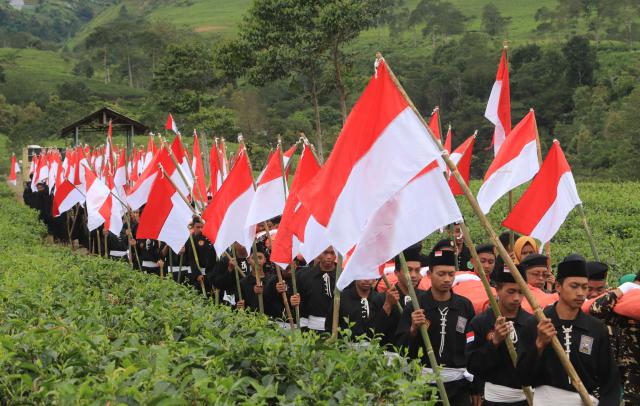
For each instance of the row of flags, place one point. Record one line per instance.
(383, 188)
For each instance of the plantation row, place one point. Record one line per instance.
(84, 330)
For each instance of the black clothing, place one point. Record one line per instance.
(487, 362)
(364, 313)
(316, 294)
(590, 354)
(457, 312)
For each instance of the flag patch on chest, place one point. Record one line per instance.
(470, 337)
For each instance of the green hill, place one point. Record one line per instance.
(48, 69)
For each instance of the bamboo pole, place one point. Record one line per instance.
(336, 301)
(555, 343)
(424, 332)
(193, 245)
(388, 285)
(237, 273)
(587, 230)
(493, 303)
(254, 247)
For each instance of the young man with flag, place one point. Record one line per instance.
(223, 276)
(315, 291)
(399, 293)
(487, 355)
(205, 253)
(584, 338)
(447, 316)
(249, 284)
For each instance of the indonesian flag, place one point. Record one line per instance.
(65, 197)
(547, 202)
(54, 165)
(166, 216)
(102, 207)
(171, 125)
(515, 164)
(462, 158)
(359, 177)
(41, 172)
(15, 168)
(139, 193)
(32, 166)
(401, 222)
(108, 152)
(120, 177)
(447, 140)
(286, 245)
(499, 106)
(151, 152)
(269, 199)
(434, 123)
(227, 213)
(215, 169)
(199, 191)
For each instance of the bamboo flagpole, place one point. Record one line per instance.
(424, 332)
(193, 245)
(493, 303)
(336, 300)
(587, 230)
(254, 247)
(555, 343)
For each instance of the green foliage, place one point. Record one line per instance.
(492, 20)
(84, 330)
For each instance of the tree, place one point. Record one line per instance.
(2, 75)
(83, 68)
(581, 61)
(184, 77)
(440, 18)
(493, 22)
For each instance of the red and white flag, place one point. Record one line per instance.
(286, 244)
(359, 177)
(547, 202)
(166, 216)
(447, 140)
(15, 168)
(102, 207)
(499, 106)
(515, 164)
(149, 154)
(54, 167)
(462, 158)
(199, 190)
(41, 172)
(401, 222)
(215, 169)
(269, 199)
(120, 176)
(227, 213)
(171, 125)
(65, 197)
(434, 123)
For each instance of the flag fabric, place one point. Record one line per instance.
(171, 125)
(286, 244)
(65, 197)
(462, 158)
(97, 199)
(498, 109)
(166, 216)
(359, 177)
(401, 222)
(120, 176)
(199, 190)
(227, 213)
(447, 140)
(54, 167)
(150, 153)
(215, 170)
(15, 168)
(269, 199)
(41, 172)
(515, 164)
(434, 123)
(548, 201)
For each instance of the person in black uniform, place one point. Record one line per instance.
(487, 356)
(584, 339)
(206, 256)
(149, 253)
(117, 245)
(223, 276)
(597, 273)
(360, 306)
(249, 286)
(462, 251)
(399, 293)
(315, 291)
(447, 318)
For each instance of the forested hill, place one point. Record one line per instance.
(280, 67)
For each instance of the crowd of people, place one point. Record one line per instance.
(469, 342)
